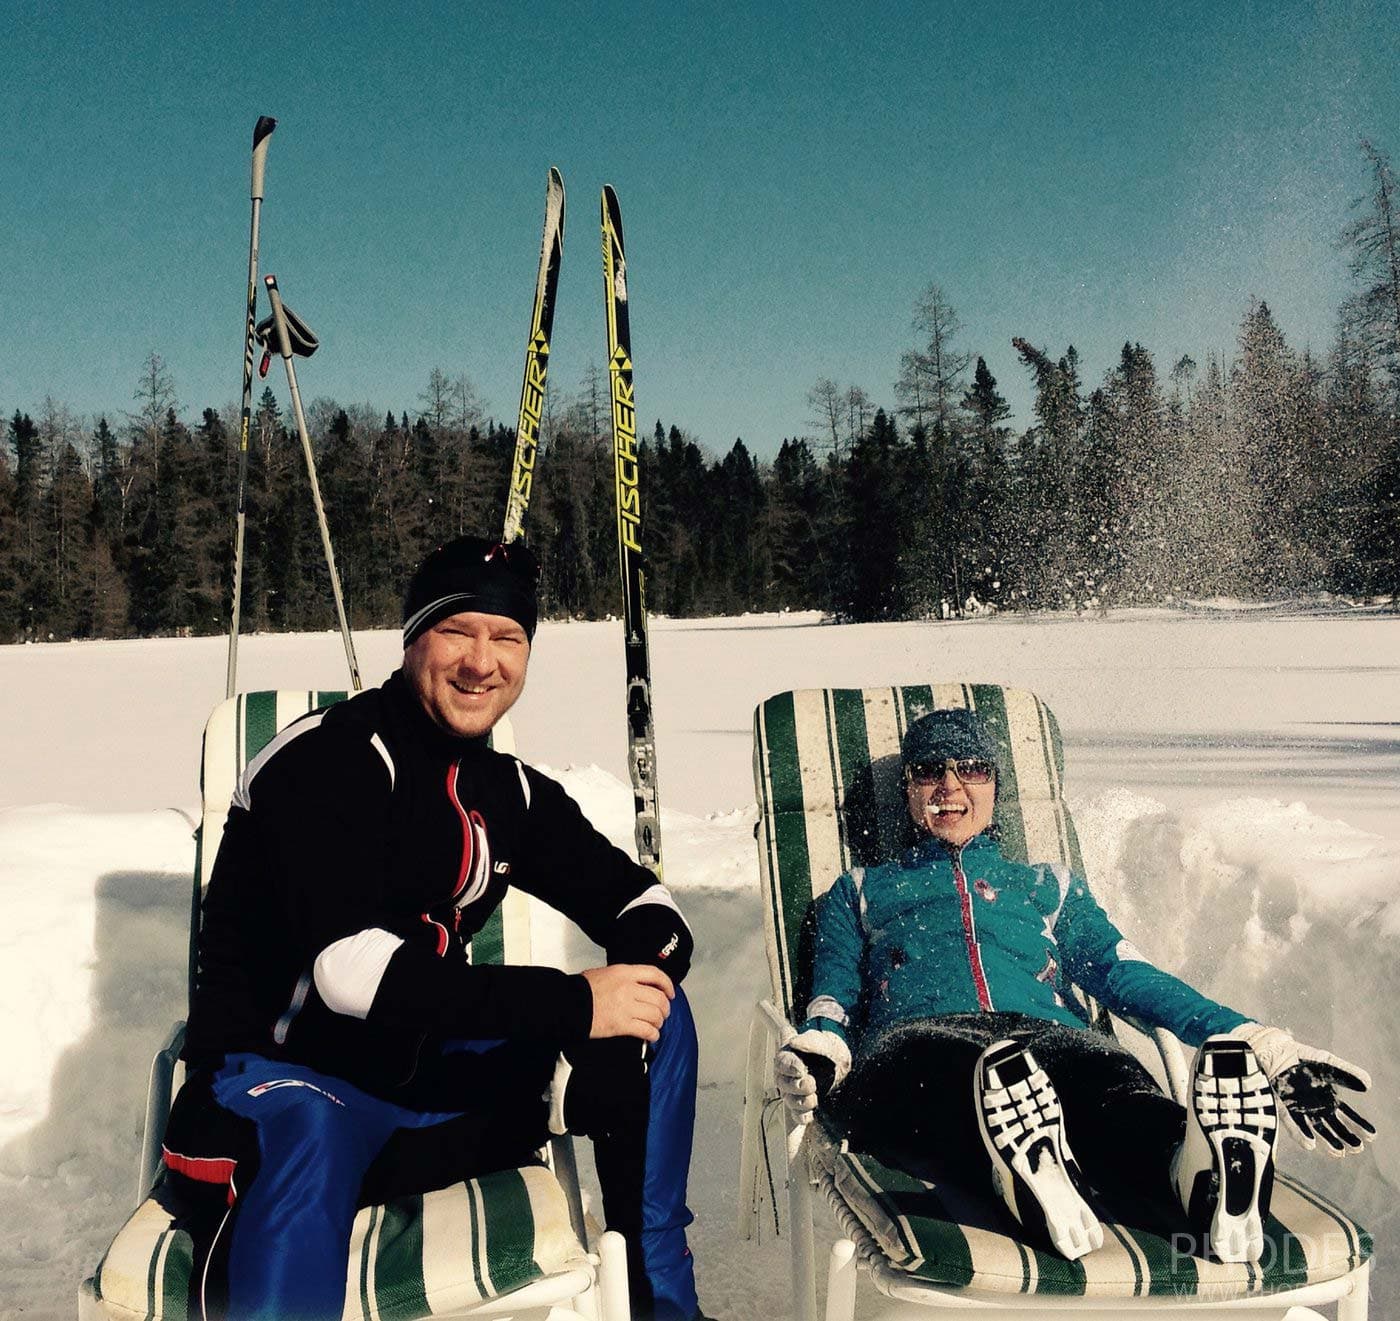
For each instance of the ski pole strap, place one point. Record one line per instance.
(301, 339)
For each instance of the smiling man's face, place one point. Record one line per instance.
(468, 670)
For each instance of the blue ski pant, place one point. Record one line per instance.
(299, 1152)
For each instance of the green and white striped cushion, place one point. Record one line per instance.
(413, 1258)
(945, 1237)
(827, 775)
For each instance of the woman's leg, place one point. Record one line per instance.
(1122, 1128)
(908, 1097)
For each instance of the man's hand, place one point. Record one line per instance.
(1306, 1080)
(629, 1000)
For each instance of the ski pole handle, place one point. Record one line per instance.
(262, 136)
(279, 317)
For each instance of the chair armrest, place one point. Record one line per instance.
(1171, 1052)
(773, 1018)
(157, 1110)
(565, 1166)
(1174, 1063)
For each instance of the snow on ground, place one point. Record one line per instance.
(1235, 777)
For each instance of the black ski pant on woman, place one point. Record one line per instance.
(908, 1101)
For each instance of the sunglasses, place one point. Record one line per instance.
(516, 556)
(969, 770)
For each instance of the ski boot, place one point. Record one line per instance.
(1033, 1169)
(1224, 1170)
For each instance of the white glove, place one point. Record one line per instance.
(1306, 1080)
(807, 1068)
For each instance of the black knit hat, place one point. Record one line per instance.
(472, 573)
(943, 734)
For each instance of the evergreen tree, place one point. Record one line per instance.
(11, 609)
(871, 582)
(1374, 239)
(797, 551)
(1269, 444)
(1044, 552)
(740, 566)
(70, 499)
(986, 504)
(24, 440)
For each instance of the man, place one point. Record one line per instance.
(341, 1048)
(946, 971)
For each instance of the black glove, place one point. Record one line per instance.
(1306, 1080)
(656, 934)
(1308, 1092)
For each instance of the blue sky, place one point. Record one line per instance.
(791, 176)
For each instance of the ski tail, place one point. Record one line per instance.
(641, 731)
(527, 430)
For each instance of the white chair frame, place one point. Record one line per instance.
(857, 1250)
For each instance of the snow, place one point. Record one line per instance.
(1235, 777)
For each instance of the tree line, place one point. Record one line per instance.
(1269, 473)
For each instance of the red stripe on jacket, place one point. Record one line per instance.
(974, 950)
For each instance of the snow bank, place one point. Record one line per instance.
(1287, 916)
(1265, 905)
(1235, 780)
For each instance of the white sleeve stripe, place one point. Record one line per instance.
(1126, 952)
(524, 783)
(657, 894)
(348, 971)
(1063, 878)
(826, 1006)
(377, 744)
(274, 745)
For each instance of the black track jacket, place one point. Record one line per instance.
(363, 849)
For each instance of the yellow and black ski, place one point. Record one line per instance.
(641, 732)
(527, 431)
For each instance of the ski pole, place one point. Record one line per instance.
(306, 344)
(262, 137)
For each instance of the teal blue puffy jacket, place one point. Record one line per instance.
(945, 931)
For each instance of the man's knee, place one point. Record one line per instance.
(679, 1046)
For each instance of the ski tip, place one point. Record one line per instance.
(263, 128)
(612, 212)
(554, 206)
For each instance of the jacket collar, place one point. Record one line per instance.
(929, 850)
(421, 727)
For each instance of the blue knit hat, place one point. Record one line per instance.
(943, 734)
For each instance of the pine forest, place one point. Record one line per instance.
(1264, 474)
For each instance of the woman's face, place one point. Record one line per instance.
(945, 805)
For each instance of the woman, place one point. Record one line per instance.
(940, 1015)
